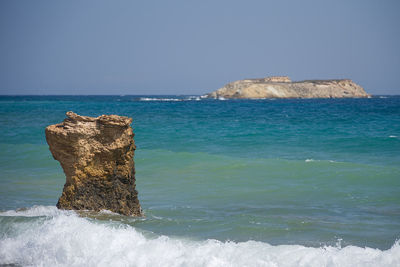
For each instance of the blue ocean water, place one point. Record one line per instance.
(284, 182)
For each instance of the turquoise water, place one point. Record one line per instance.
(220, 182)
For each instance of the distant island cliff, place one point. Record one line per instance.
(283, 87)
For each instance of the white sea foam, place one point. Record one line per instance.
(35, 211)
(159, 99)
(196, 98)
(65, 239)
(189, 98)
(392, 136)
(313, 160)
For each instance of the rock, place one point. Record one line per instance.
(282, 87)
(278, 79)
(96, 155)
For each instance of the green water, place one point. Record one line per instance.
(306, 172)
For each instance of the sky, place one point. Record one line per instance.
(53, 47)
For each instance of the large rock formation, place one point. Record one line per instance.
(282, 87)
(96, 155)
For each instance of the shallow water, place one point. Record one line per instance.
(242, 182)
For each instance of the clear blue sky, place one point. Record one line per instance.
(193, 47)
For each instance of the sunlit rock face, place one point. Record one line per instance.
(283, 87)
(96, 155)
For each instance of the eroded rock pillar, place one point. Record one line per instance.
(96, 155)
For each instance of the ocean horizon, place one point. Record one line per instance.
(239, 182)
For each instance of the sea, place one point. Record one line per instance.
(268, 182)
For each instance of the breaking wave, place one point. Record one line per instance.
(159, 99)
(162, 99)
(45, 236)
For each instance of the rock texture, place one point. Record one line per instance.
(278, 79)
(282, 87)
(96, 155)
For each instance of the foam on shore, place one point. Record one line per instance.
(62, 238)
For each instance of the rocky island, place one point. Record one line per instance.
(96, 155)
(283, 87)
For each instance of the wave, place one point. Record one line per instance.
(193, 98)
(317, 160)
(159, 99)
(35, 211)
(65, 239)
(189, 98)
